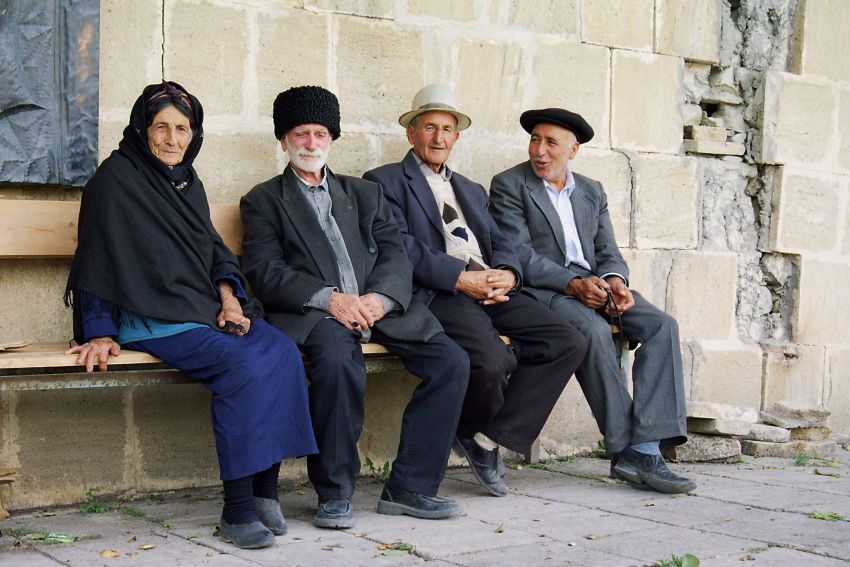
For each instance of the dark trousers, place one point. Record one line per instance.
(337, 373)
(512, 390)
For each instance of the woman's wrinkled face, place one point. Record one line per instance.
(169, 135)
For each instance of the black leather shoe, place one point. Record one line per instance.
(650, 470)
(268, 510)
(253, 535)
(397, 501)
(334, 514)
(484, 464)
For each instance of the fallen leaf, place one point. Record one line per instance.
(146, 546)
(501, 528)
(572, 544)
(747, 557)
(107, 553)
(60, 538)
(359, 535)
(395, 549)
(591, 536)
(648, 504)
(823, 473)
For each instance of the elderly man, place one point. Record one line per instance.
(469, 276)
(559, 222)
(324, 255)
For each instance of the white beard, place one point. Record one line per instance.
(300, 160)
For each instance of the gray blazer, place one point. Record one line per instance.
(287, 257)
(526, 216)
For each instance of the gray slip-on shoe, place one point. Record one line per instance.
(335, 514)
(253, 535)
(270, 515)
(650, 470)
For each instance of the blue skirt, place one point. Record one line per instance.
(260, 413)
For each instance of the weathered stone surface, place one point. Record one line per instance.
(791, 414)
(788, 450)
(705, 274)
(725, 372)
(646, 119)
(707, 133)
(33, 290)
(364, 46)
(714, 148)
(278, 68)
(806, 212)
(351, 154)
(590, 97)
(460, 10)
(393, 147)
(824, 35)
(794, 372)
(500, 66)
(215, 74)
(612, 170)
(232, 162)
(666, 202)
(844, 128)
(837, 397)
(821, 433)
(366, 8)
(798, 121)
(692, 114)
(816, 308)
(547, 16)
(688, 29)
(570, 427)
(704, 448)
(481, 159)
(770, 433)
(719, 426)
(713, 410)
(648, 271)
(618, 24)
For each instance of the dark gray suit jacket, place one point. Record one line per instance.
(526, 216)
(287, 258)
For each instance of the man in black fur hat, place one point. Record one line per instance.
(324, 255)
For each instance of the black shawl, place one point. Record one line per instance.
(145, 240)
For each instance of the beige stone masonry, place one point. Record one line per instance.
(713, 410)
(555, 69)
(617, 24)
(788, 450)
(704, 448)
(771, 433)
(667, 197)
(378, 67)
(719, 427)
(791, 371)
(825, 42)
(837, 395)
(612, 170)
(209, 56)
(723, 372)
(351, 154)
(799, 121)
(547, 16)
(701, 294)
(707, 133)
(459, 10)
(46, 319)
(481, 157)
(806, 213)
(648, 271)
(714, 148)
(819, 433)
(688, 28)
(819, 318)
(365, 8)
(844, 128)
(231, 163)
(646, 118)
(499, 66)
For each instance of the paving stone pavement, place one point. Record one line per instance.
(559, 513)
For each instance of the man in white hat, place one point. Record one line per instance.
(470, 277)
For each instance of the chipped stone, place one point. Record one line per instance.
(821, 433)
(788, 450)
(721, 97)
(719, 426)
(714, 148)
(692, 114)
(791, 414)
(770, 433)
(705, 133)
(713, 410)
(704, 448)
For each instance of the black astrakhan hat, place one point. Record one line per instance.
(560, 117)
(305, 105)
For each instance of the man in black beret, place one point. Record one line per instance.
(324, 255)
(559, 222)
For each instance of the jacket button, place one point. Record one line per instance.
(430, 292)
(372, 249)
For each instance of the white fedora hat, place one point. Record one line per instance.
(436, 96)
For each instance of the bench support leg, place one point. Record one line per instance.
(533, 454)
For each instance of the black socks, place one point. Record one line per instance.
(265, 482)
(239, 501)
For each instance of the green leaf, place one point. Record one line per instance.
(689, 560)
(828, 516)
(395, 552)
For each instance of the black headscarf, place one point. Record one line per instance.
(145, 240)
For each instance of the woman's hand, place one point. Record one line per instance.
(98, 348)
(231, 312)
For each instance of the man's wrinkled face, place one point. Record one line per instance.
(308, 146)
(550, 150)
(169, 135)
(433, 134)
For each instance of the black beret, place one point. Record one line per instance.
(305, 105)
(560, 117)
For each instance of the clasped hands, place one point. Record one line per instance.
(487, 286)
(356, 312)
(592, 292)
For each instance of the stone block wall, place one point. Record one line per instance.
(722, 138)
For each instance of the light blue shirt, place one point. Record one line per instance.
(561, 202)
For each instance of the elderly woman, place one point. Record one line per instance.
(151, 274)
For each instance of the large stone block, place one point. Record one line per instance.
(386, 397)
(695, 277)
(352, 154)
(277, 66)
(726, 372)
(459, 10)
(31, 293)
(824, 36)
(844, 128)
(392, 148)
(482, 158)
(705, 449)
(806, 212)
(794, 372)
(556, 68)
(798, 121)
(232, 162)
(837, 396)
(547, 16)
(667, 194)
(130, 51)
(618, 24)
(819, 301)
(570, 427)
(612, 170)
(719, 427)
(713, 410)
(771, 433)
(648, 272)
(500, 67)
(365, 8)
(110, 132)
(648, 117)
(174, 439)
(379, 69)
(688, 28)
(792, 414)
(788, 450)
